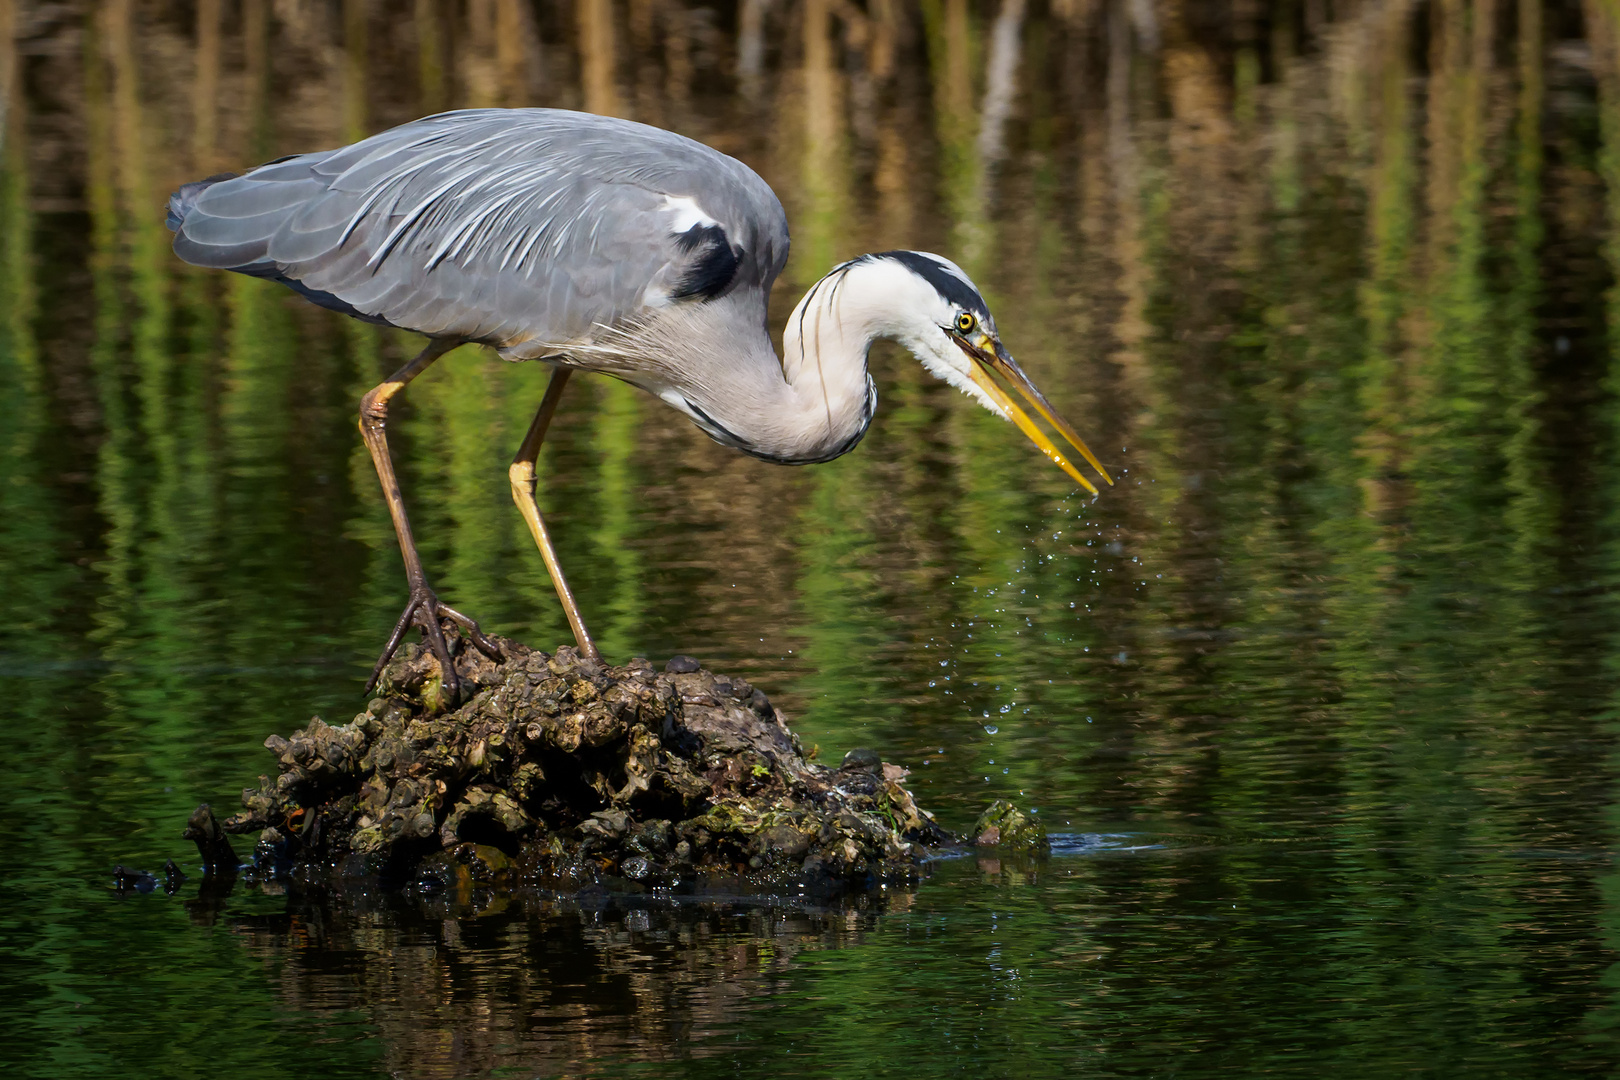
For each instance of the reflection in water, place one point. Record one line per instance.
(548, 987)
(1335, 282)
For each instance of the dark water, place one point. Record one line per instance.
(1318, 701)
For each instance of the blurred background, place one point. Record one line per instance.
(1318, 698)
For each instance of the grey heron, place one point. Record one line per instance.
(595, 244)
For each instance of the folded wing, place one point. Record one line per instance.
(528, 229)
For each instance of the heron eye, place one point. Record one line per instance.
(965, 322)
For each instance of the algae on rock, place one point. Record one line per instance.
(1003, 825)
(565, 773)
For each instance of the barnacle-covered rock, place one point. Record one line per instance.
(562, 773)
(1005, 826)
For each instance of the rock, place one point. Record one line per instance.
(862, 760)
(212, 844)
(555, 771)
(173, 876)
(608, 824)
(1004, 826)
(126, 880)
(487, 865)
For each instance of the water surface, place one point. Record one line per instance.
(1317, 700)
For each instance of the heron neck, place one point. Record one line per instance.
(715, 363)
(824, 352)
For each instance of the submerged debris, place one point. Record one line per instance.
(565, 774)
(218, 856)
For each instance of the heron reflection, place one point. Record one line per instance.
(594, 244)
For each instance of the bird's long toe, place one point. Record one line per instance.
(469, 626)
(425, 611)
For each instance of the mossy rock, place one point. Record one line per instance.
(575, 775)
(1008, 828)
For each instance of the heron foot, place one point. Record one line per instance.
(427, 611)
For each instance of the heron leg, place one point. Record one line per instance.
(521, 474)
(424, 608)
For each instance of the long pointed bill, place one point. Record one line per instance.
(1001, 363)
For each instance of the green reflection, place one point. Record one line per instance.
(614, 435)
(1331, 666)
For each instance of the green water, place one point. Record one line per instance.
(1318, 701)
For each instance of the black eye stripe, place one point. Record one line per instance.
(955, 291)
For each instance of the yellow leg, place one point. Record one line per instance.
(522, 476)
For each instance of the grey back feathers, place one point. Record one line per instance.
(587, 241)
(527, 229)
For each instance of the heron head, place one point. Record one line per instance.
(944, 321)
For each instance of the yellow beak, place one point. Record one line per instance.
(989, 357)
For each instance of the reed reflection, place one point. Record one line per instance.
(544, 986)
(1338, 283)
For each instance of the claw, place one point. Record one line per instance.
(482, 643)
(404, 624)
(425, 610)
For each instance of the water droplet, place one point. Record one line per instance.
(990, 729)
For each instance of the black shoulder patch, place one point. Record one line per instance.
(953, 288)
(714, 262)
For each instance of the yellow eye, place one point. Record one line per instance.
(965, 322)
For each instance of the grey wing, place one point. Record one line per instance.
(529, 229)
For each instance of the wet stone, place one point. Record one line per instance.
(559, 773)
(862, 760)
(1009, 828)
(126, 880)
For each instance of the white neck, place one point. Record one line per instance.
(714, 362)
(824, 350)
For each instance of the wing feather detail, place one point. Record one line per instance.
(526, 228)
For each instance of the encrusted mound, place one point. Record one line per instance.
(563, 773)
